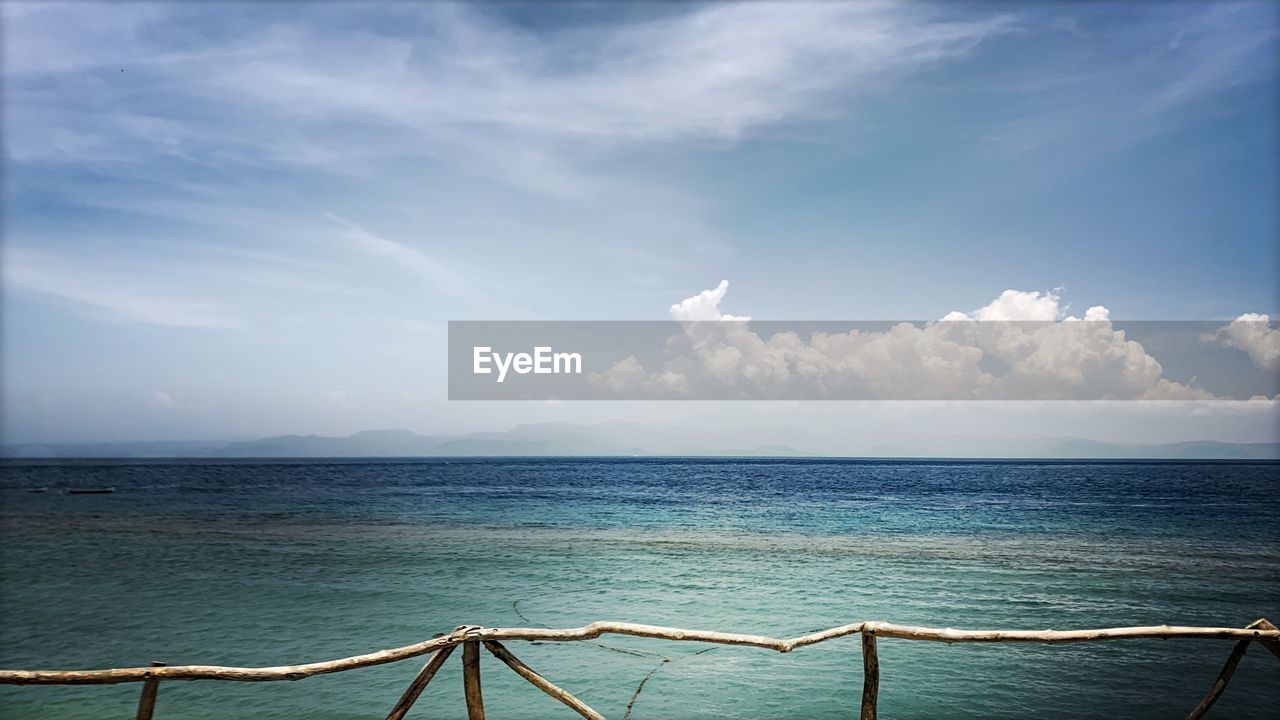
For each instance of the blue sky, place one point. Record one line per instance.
(227, 219)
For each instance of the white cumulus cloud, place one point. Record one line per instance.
(1254, 334)
(704, 306)
(1028, 305)
(1020, 346)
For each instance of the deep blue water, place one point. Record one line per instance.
(249, 563)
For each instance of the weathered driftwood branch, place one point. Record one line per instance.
(1220, 683)
(471, 679)
(540, 682)
(1228, 669)
(219, 672)
(1273, 645)
(147, 700)
(595, 630)
(949, 635)
(419, 683)
(870, 677)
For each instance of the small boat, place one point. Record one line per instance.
(90, 491)
(37, 490)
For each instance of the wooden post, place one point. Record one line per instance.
(147, 701)
(543, 684)
(419, 683)
(1272, 645)
(870, 675)
(1229, 668)
(1219, 685)
(471, 679)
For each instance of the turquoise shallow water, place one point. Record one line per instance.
(265, 563)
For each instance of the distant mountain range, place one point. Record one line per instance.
(621, 439)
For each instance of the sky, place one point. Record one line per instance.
(227, 220)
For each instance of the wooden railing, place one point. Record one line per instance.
(472, 637)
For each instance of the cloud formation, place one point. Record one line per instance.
(1021, 346)
(528, 108)
(98, 292)
(1023, 305)
(1254, 334)
(704, 306)
(161, 400)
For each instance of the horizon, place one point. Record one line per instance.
(510, 443)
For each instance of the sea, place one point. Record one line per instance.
(271, 562)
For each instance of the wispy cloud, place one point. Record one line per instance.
(441, 278)
(411, 259)
(1109, 91)
(161, 400)
(532, 108)
(100, 293)
(543, 111)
